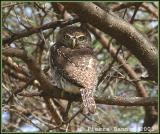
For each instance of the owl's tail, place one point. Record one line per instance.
(89, 105)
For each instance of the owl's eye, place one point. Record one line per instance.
(67, 37)
(81, 38)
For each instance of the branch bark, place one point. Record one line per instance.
(109, 100)
(127, 101)
(52, 91)
(127, 68)
(150, 111)
(122, 31)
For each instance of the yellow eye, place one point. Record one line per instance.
(81, 38)
(66, 37)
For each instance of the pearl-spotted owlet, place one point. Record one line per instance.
(73, 64)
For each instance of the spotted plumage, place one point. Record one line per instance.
(73, 64)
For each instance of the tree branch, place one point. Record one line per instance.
(34, 68)
(38, 29)
(109, 100)
(52, 91)
(103, 40)
(127, 101)
(150, 111)
(122, 31)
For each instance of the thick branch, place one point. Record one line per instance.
(122, 31)
(109, 100)
(128, 101)
(52, 91)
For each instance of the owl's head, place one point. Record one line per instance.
(73, 37)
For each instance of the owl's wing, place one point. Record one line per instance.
(78, 66)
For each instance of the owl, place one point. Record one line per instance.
(74, 66)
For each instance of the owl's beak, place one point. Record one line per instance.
(73, 43)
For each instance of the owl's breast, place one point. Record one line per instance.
(83, 69)
(77, 67)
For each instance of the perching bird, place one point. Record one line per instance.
(73, 64)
